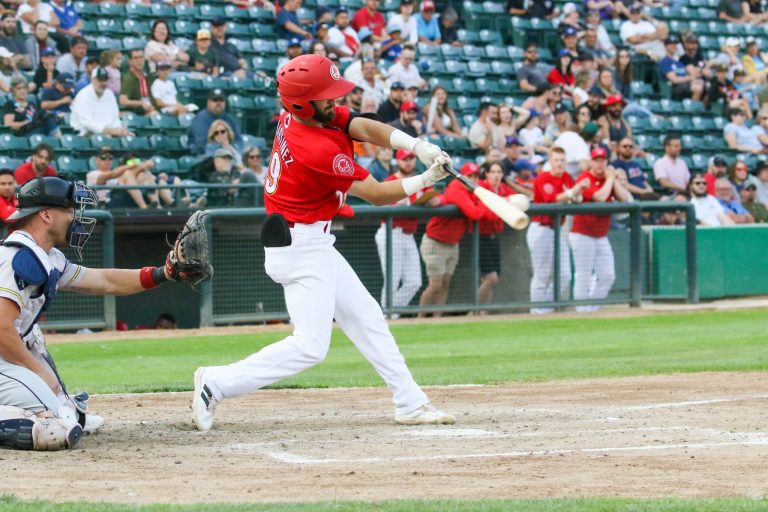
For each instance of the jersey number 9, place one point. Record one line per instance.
(273, 174)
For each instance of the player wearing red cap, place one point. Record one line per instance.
(552, 186)
(592, 254)
(406, 270)
(311, 171)
(440, 245)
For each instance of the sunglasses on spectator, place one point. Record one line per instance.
(627, 146)
(742, 168)
(254, 155)
(699, 182)
(106, 156)
(219, 132)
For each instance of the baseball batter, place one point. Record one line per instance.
(490, 249)
(311, 171)
(36, 410)
(406, 268)
(592, 253)
(553, 186)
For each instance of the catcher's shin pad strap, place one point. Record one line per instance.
(275, 231)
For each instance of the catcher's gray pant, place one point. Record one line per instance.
(23, 388)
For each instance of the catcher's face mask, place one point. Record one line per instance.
(81, 227)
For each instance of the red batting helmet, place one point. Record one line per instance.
(306, 78)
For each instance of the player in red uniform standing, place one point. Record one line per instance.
(552, 186)
(592, 252)
(311, 170)
(490, 249)
(440, 245)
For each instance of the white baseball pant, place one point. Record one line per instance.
(541, 244)
(593, 266)
(319, 285)
(406, 266)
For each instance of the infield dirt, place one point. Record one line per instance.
(701, 435)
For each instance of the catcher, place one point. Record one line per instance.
(36, 410)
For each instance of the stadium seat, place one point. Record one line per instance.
(162, 11)
(425, 50)
(76, 144)
(134, 43)
(494, 52)
(168, 165)
(113, 11)
(167, 145)
(254, 141)
(6, 162)
(53, 142)
(450, 52)
(72, 166)
(101, 140)
(138, 11)
(478, 68)
(139, 144)
(471, 53)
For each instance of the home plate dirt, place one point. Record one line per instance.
(691, 435)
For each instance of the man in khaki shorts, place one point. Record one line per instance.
(440, 245)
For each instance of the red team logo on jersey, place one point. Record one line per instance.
(343, 165)
(549, 188)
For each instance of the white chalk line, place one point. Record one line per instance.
(642, 407)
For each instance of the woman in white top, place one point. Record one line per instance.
(508, 124)
(161, 49)
(445, 121)
(405, 20)
(33, 11)
(581, 86)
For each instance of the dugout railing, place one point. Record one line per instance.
(241, 292)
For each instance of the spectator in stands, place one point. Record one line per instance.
(161, 48)
(23, 117)
(220, 135)
(562, 74)
(683, 85)
(7, 71)
(320, 48)
(215, 109)
(70, 24)
(354, 99)
(74, 61)
(287, 23)
(733, 11)
(37, 43)
(613, 125)
(484, 132)
(135, 88)
(449, 31)
(755, 208)
(229, 57)
(637, 184)
(709, 211)
(405, 70)
(693, 59)
(46, 72)
(511, 119)
(532, 135)
(575, 143)
(370, 82)
(739, 136)
(590, 46)
(392, 48)
(321, 36)
(716, 168)
(570, 38)
(342, 38)
(444, 120)
(37, 167)
(141, 174)
(622, 72)
(726, 196)
(58, 98)
(738, 175)
(760, 172)
(292, 51)
(223, 172)
(7, 189)
(543, 9)
(381, 166)
(85, 80)
(720, 89)
(604, 42)
(729, 55)
(370, 16)
(581, 116)
(546, 98)
(164, 92)
(755, 63)
(32, 11)
(202, 58)
(252, 172)
(95, 109)
(406, 21)
(531, 74)
(561, 123)
(670, 171)
(582, 83)
(748, 92)
(595, 100)
(428, 27)
(12, 41)
(112, 61)
(104, 174)
(676, 217)
(642, 35)
(389, 110)
(407, 121)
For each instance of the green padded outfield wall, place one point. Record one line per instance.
(731, 261)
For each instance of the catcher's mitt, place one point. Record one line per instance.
(188, 259)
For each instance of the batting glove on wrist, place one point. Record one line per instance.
(436, 171)
(427, 152)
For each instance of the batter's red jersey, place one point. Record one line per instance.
(449, 230)
(546, 188)
(596, 226)
(409, 225)
(491, 227)
(310, 169)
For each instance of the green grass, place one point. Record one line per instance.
(542, 505)
(479, 352)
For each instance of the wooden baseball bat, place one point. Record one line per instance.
(514, 217)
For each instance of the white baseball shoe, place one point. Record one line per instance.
(203, 402)
(93, 422)
(427, 414)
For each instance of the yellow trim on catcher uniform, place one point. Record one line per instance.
(77, 273)
(13, 292)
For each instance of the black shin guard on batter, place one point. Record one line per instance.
(275, 231)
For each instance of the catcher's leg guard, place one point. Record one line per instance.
(24, 430)
(17, 434)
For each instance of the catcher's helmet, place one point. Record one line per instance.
(306, 78)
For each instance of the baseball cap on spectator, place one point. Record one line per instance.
(104, 150)
(513, 141)
(721, 68)
(670, 40)
(613, 99)
(47, 51)
(596, 91)
(203, 34)
(402, 154)
(536, 159)
(590, 129)
(759, 167)
(222, 153)
(739, 72)
(523, 164)
(408, 105)
(164, 64)
(560, 108)
(599, 153)
(322, 26)
(394, 25)
(427, 5)
(397, 85)
(570, 31)
(635, 8)
(534, 113)
(563, 52)
(341, 9)
(691, 38)
(470, 168)
(218, 21)
(364, 33)
(406, 2)
(569, 8)
(216, 94)
(718, 161)
(100, 74)
(66, 79)
(294, 41)
(732, 41)
(750, 40)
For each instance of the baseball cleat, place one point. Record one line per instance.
(93, 422)
(427, 414)
(203, 402)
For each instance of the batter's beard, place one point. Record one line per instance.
(324, 117)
